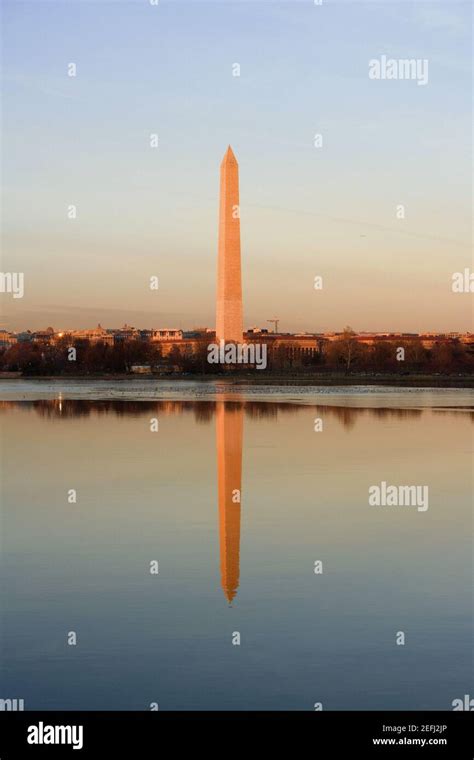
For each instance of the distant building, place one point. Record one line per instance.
(7, 338)
(44, 336)
(258, 331)
(25, 337)
(96, 335)
(166, 334)
(125, 333)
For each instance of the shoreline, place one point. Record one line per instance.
(105, 390)
(253, 379)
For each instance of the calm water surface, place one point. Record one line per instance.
(172, 496)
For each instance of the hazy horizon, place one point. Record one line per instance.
(306, 211)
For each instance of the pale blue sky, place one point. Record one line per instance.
(305, 211)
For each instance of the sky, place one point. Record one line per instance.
(306, 210)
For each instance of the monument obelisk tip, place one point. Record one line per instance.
(229, 156)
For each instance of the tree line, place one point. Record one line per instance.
(345, 354)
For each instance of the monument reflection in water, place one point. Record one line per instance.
(177, 497)
(229, 430)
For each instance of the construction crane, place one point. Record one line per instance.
(274, 322)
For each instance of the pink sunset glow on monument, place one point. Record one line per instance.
(166, 349)
(229, 320)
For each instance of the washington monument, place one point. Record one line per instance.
(229, 322)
